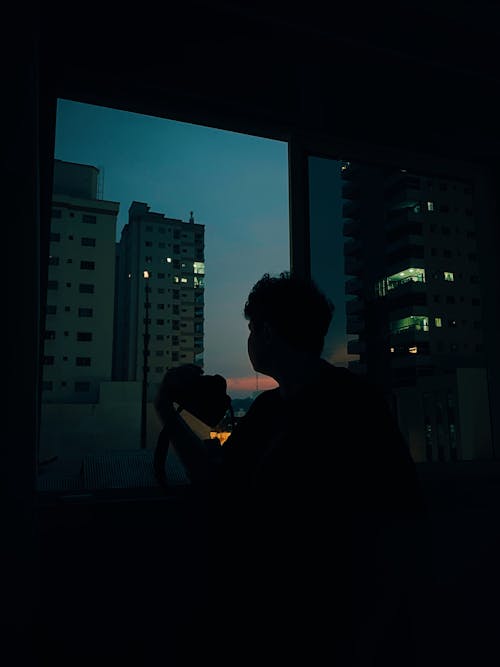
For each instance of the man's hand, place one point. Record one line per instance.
(179, 378)
(174, 381)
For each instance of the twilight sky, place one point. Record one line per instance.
(237, 186)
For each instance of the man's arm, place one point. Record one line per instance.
(200, 458)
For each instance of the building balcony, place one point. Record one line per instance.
(354, 307)
(355, 324)
(357, 367)
(352, 247)
(397, 262)
(408, 240)
(350, 209)
(356, 346)
(352, 266)
(350, 191)
(409, 336)
(407, 286)
(401, 217)
(410, 360)
(351, 228)
(354, 286)
(349, 170)
(403, 197)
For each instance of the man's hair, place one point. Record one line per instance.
(294, 307)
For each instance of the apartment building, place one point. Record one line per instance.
(159, 294)
(78, 335)
(414, 308)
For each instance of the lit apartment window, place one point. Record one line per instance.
(86, 241)
(438, 322)
(413, 349)
(449, 276)
(83, 361)
(410, 323)
(415, 275)
(430, 205)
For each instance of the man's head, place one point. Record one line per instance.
(292, 309)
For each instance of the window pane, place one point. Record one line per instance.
(391, 246)
(205, 211)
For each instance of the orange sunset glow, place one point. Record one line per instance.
(247, 385)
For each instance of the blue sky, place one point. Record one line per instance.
(236, 185)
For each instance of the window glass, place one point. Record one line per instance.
(394, 282)
(214, 206)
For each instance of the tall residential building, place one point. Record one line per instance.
(171, 251)
(414, 318)
(80, 290)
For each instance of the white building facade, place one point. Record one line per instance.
(78, 336)
(160, 278)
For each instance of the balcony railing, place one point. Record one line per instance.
(351, 228)
(350, 209)
(356, 346)
(352, 266)
(354, 286)
(352, 247)
(402, 217)
(409, 240)
(350, 191)
(354, 307)
(354, 324)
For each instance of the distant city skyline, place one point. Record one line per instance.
(235, 184)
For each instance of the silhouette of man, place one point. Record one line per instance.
(314, 500)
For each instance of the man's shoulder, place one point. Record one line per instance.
(337, 379)
(266, 399)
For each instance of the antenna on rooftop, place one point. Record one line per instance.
(100, 183)
(191, 217)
